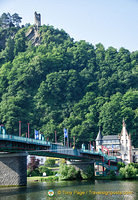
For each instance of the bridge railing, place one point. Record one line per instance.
(111, 167)
(64, 150)
(107, 157)
(99, 153)
(24, 140)
(88, 151)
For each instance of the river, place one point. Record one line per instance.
(73, 190)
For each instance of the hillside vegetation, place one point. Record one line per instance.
(63, 83)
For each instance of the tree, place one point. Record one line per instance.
(8, 20)
(5, 20)
(8, 53)
(4, 72)
(19, 39)
(44, 169)
(100, 53)
(14, 108)
(67, 172)
(50, 163)
(110, 115)
(120, 165)
(128, 172)
(34, 163)
(16, 19)
(64, 83)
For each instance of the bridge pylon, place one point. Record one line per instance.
(13, 169)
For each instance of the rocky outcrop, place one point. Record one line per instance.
(34, 36)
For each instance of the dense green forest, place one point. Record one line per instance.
(65, 83)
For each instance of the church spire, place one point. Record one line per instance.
(124, 130)
(99, 136)
(124, 125)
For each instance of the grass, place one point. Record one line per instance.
(4, 186)
(41, 178)
(55, 168)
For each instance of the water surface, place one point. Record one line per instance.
(73, 190)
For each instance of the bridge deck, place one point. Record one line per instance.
(11, 143)
(24, 140)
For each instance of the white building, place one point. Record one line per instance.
(116, 145)
(41, 159)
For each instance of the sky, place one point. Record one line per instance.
(110, 22)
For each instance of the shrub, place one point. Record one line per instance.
(35, 173)
(50, 163)
(128, 172)
(56, 178)
(71, 173)
(112, 174)
(88, 173)
(135, 165)
(28, 172)
(122, 172)
(78, 175)
(43, 169)
(120, 165)
(67, 172)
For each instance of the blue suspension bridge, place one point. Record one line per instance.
(14, 150)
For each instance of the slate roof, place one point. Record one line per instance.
(110, 137)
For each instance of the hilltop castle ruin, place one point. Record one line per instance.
(37, 19)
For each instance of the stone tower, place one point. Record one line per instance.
(125, 141)
(37, 19)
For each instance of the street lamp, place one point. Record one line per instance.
(19, 128)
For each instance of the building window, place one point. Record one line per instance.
(122, 141)
(126, 141)
(125, 155)
(122, 148)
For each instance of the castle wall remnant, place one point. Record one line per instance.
(37, 19)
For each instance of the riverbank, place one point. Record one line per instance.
(55, 178)
(113, 178)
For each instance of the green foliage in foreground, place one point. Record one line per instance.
(135, 165)
(120, 165)
(68, 172)
(112, 175)
(128, 172)
(88, 173)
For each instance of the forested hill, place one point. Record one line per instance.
(62, 83)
